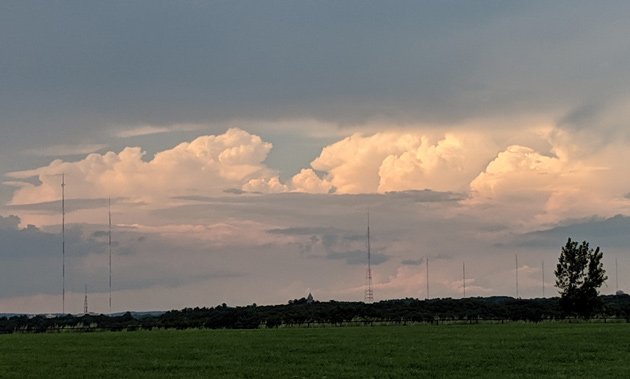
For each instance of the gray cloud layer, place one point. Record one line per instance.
(73, 72)
(608, 233)
(163, 62)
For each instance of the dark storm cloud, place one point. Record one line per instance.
(32, 253)
(612, 232)
(162, 62)
(358, 257)
(342, 219)
(336, 243)
(412, 262)
(37, 255)
(9, 222)
(31, 243)
(74, 72)
(344, 246)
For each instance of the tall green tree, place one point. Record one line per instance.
(579, 274)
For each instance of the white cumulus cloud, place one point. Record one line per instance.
(398, 161)
(207, 165)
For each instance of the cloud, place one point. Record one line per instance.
(564, 181)
(544, 189)
(145, 130)
(142, 131)
(460, 131)
(426, 196)
(358, 257)
(9, 222)
(65, 150)
(308, 181)
(605, 232)
(54, 207)
(422, 61)
(412, 262)
(303, 231)
(334, 243)
(143, 257)
(519, 172)
(265, 185)
(206, 165)
(399, 161)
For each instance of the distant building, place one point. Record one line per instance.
(309, 299)
(619, 293)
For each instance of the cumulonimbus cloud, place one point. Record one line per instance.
(207, 165)
(539, 188)
(542, 186)
(397, 161)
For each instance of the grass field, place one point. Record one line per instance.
(510, 350)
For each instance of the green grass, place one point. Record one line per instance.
(496, 351)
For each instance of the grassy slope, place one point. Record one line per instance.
(511, 350)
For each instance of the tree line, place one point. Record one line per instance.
(300, 312)
(579, 274)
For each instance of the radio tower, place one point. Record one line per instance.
(464, 277)
(616, 277)
(63, 243)
(85, 303)
(369, 293)
(516, 271)
(427, 262)
(109, 212)
(543, 278)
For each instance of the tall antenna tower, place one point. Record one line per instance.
(85, 303)
(109, 212)
(427, 262)
(464, 276)
(516, 271)
(63, 243)
(543, 278)
(369, 293)
(616, 277)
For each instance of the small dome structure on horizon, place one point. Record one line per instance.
(619, 293)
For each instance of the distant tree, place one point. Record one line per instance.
(579, 274)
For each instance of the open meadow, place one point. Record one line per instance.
(490, 350)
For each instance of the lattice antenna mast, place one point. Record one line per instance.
(427, 262)
(109, 213)
(516, 271)
(85, 303)
(464, 276)
(543, 278)
(369, 292)
(616, 276)
(63, 243)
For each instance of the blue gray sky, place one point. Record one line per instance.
(243, 142)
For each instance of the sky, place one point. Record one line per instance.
(242, 144)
